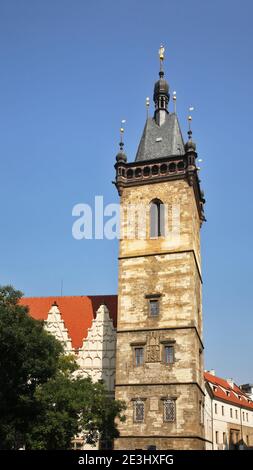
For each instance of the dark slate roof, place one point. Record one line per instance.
(170, 140)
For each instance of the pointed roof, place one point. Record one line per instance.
(160, 141)
(77, 312)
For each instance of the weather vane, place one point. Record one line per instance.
(161, 56)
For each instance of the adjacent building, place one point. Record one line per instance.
(228, 414)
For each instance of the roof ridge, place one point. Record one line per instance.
(68, 296)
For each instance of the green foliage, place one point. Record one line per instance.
(44, 403)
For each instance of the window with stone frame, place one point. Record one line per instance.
(139, 411)
(201, 412)
(169, 410)
(154, 307)
(157, 218)
(138, 356)
(169, 354)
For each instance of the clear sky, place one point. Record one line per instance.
(69, 72)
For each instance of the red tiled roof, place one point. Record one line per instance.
(76, 311)
(219, 393)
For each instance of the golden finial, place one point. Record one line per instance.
(161, 52)
(161, 56)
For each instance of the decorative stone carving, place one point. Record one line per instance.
(153, 347)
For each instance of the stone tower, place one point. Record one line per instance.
(159, 358)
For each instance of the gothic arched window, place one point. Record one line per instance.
(157, 216)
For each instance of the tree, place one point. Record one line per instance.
(42, 403)
(28, 357)
(72, 405)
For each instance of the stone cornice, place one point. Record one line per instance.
(171, 168)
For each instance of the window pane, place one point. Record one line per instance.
(153, 220)
(169, 354)
(154, 308)
(139, 411)
(138, 356)
(169, 410)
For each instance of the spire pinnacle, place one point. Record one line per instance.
(175, 101)
(191, 108)
(190, 145)
(161, 92)
(121, 156)
(147, 105)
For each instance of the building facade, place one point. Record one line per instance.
(228, 415)
(159, 360)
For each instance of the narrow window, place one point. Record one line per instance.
(154, 307)
(224, 438)
(139, 411)
(231, 413)
(247, 417)
(215, 408)
(157, 214)
(169, 410)
(222, 410)
(139, 356)
(236, 414)
(217, 437)
(168, 354)
(243, 416)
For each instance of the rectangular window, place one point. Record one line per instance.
(139, 356)
(247, 417)
(222, 410)
(154, 307)
(201, 413)
(169, 410)
(224, 438)
(243, 416)
(215, 408)
(231, 413)
(168, 354)
(236, 414)
(217, 437)
(139, 411)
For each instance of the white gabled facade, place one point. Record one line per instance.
(96, 358)
(54, 324)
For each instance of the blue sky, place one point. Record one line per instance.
(70, 71)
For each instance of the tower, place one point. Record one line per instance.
(159, 365)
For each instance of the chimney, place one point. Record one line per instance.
(230, 383)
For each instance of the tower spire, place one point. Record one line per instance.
(161, 92)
